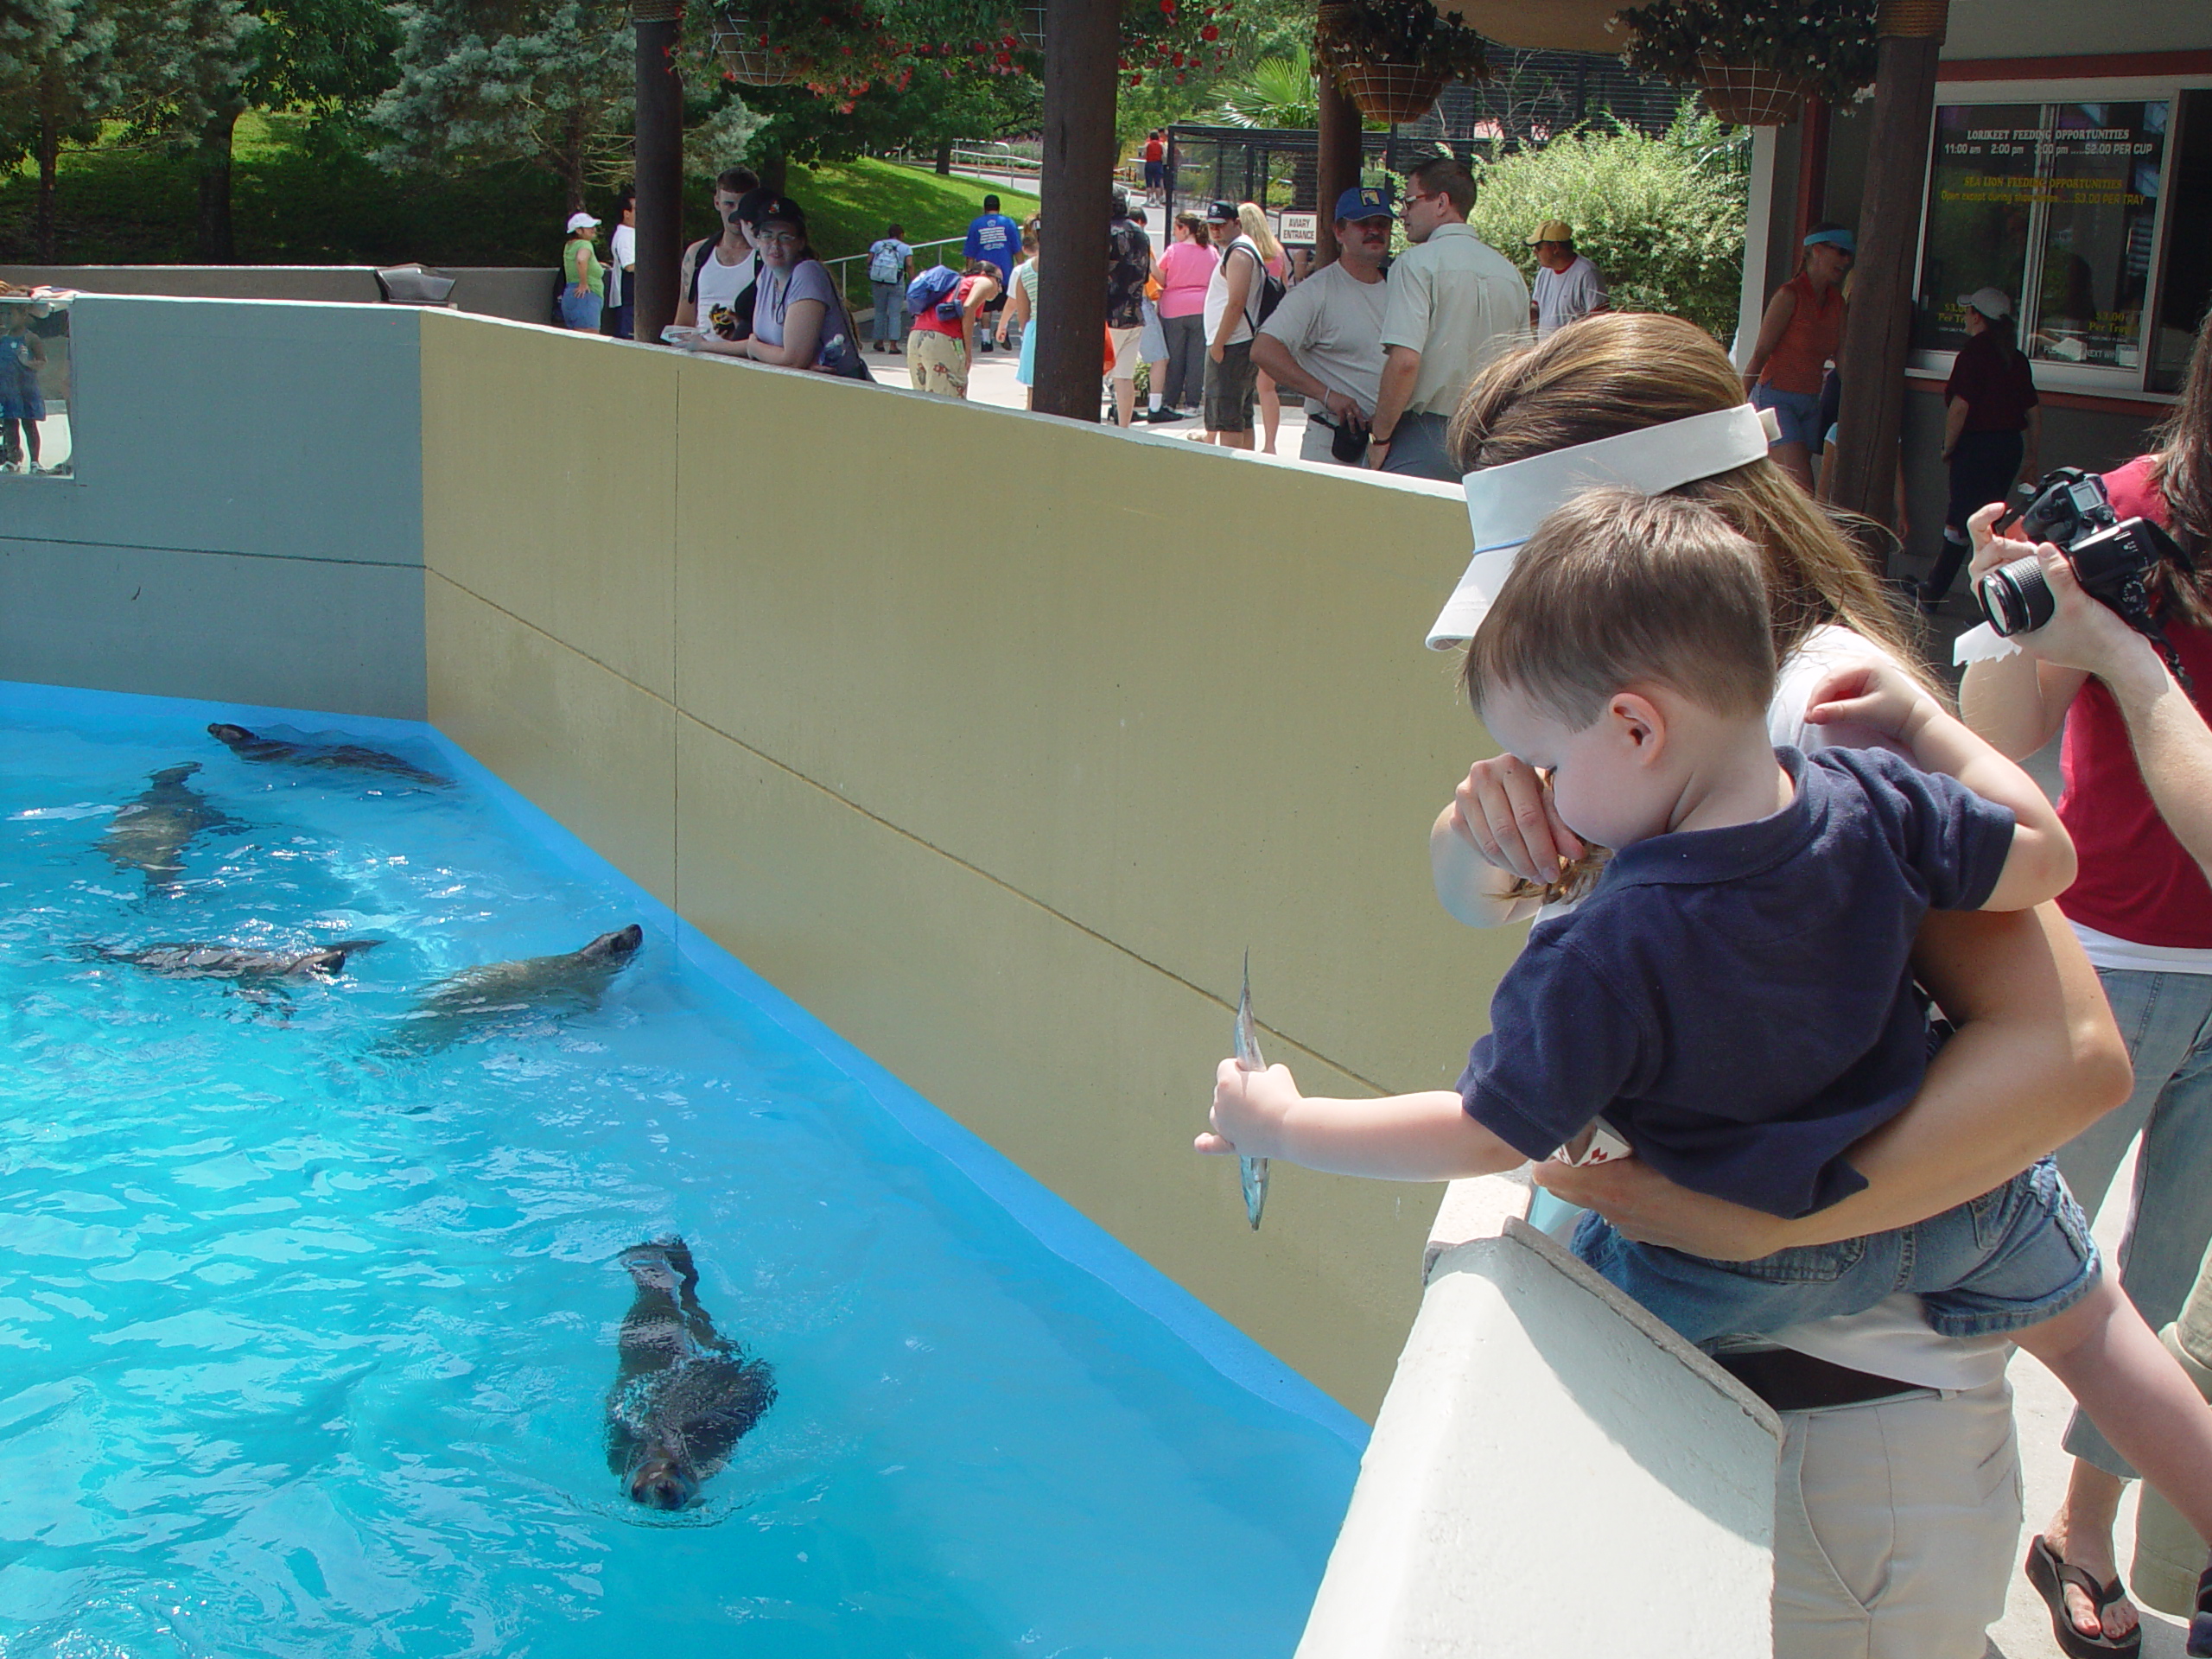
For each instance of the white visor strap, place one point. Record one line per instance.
(1505, 504)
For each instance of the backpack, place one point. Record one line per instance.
(928, 291)
(885, 264)
(1271, 287)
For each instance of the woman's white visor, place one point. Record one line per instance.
(1505, 504)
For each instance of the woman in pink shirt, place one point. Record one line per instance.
(1183, 270)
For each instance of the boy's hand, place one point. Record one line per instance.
(1504, 809)
(1878, 696)
(1249, 1109)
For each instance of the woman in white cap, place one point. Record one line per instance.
(1898, 1503)
(1991, 428)
(583, 279)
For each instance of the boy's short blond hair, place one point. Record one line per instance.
(1617, 588)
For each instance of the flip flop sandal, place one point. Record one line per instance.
(2200, 1623)
(2051, 1575)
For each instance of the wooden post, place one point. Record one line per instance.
(1340, 135)
(1082, 48)
(660, 165)
(1812, 166)
(1879, 329)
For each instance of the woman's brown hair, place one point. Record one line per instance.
(2182, 472)
(1196, 225)
(1621, 371)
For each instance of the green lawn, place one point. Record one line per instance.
(300, 198)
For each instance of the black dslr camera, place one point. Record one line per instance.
(2113, 559)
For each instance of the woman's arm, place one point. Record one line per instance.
(803, 321)
(1017, 311)
(2036, 1058)
(1772, 326)
(1955, 424)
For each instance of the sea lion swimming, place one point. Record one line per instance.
(149, 835)
(233, 962)
(477, 997)
(348, 757)
(685, 1395)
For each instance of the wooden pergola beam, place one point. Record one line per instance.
(1082, 49)
(1879, 331)
(660, 165)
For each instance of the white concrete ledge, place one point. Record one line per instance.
(1553, 1470)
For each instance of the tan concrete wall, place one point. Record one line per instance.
(993, 739)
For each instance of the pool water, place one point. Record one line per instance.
(305, 1335)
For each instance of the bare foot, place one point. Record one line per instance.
(2090, 1548)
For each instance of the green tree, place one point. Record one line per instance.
(1278, 91)
(550, 82)
(59, 76)
(1662, 218)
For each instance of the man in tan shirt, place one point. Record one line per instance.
(1454, 302)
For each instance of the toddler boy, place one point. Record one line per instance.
(1733, 994)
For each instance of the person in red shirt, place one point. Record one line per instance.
(1991, 428)
(2138, 803)
(1155, 169)
(1800, 335)
(941, 347)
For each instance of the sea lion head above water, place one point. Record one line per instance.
(618, 946)
(662, 1483)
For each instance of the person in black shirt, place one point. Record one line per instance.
(1128, 262)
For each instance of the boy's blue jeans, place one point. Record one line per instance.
(2013, 1257)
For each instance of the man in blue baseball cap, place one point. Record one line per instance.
(1325, 340)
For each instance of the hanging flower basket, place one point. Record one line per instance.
(1394, 58)
(741, 45)
(1745, 95)
(1389, 93)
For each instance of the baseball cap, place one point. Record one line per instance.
(1993, 303)
(1222, 212)
(779, 210)
(1367, 203)
(1551, 230)
(580, 221)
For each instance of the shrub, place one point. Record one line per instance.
(1662, 219)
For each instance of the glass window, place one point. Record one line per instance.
(2185, 285)
(35, 439)
(2055, 206)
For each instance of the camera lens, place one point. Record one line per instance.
(2015, 597)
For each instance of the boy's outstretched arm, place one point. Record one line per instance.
(2041, 864)
(1425, 1137)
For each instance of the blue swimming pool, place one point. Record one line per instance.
(306, 1326)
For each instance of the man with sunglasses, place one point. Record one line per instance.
(1325, 340)
(1453, 304)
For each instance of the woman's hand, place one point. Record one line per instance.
(1651, 1210)
(1217, 352)
(2083, 632)
(1503, 810)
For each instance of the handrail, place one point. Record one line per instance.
(844, 286)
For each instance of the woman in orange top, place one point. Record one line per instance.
(1802, 331)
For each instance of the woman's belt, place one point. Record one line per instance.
(1790, 1381)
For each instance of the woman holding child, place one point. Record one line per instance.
(1898, 1504)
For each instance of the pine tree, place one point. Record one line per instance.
(550, 82)
(59, 75)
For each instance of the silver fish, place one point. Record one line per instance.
(1249, 1058)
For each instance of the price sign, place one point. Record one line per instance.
(1301, 230)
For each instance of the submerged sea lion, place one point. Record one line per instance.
(477, 997)
(150, 834)
(685, 1395)
(349, 757)
(233, 962)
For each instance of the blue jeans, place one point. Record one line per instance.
(580, 313)
(2013, 1257)
(1799, 412)
(890, 311)
(2166, 1021)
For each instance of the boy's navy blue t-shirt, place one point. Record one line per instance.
(1737, 1002)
